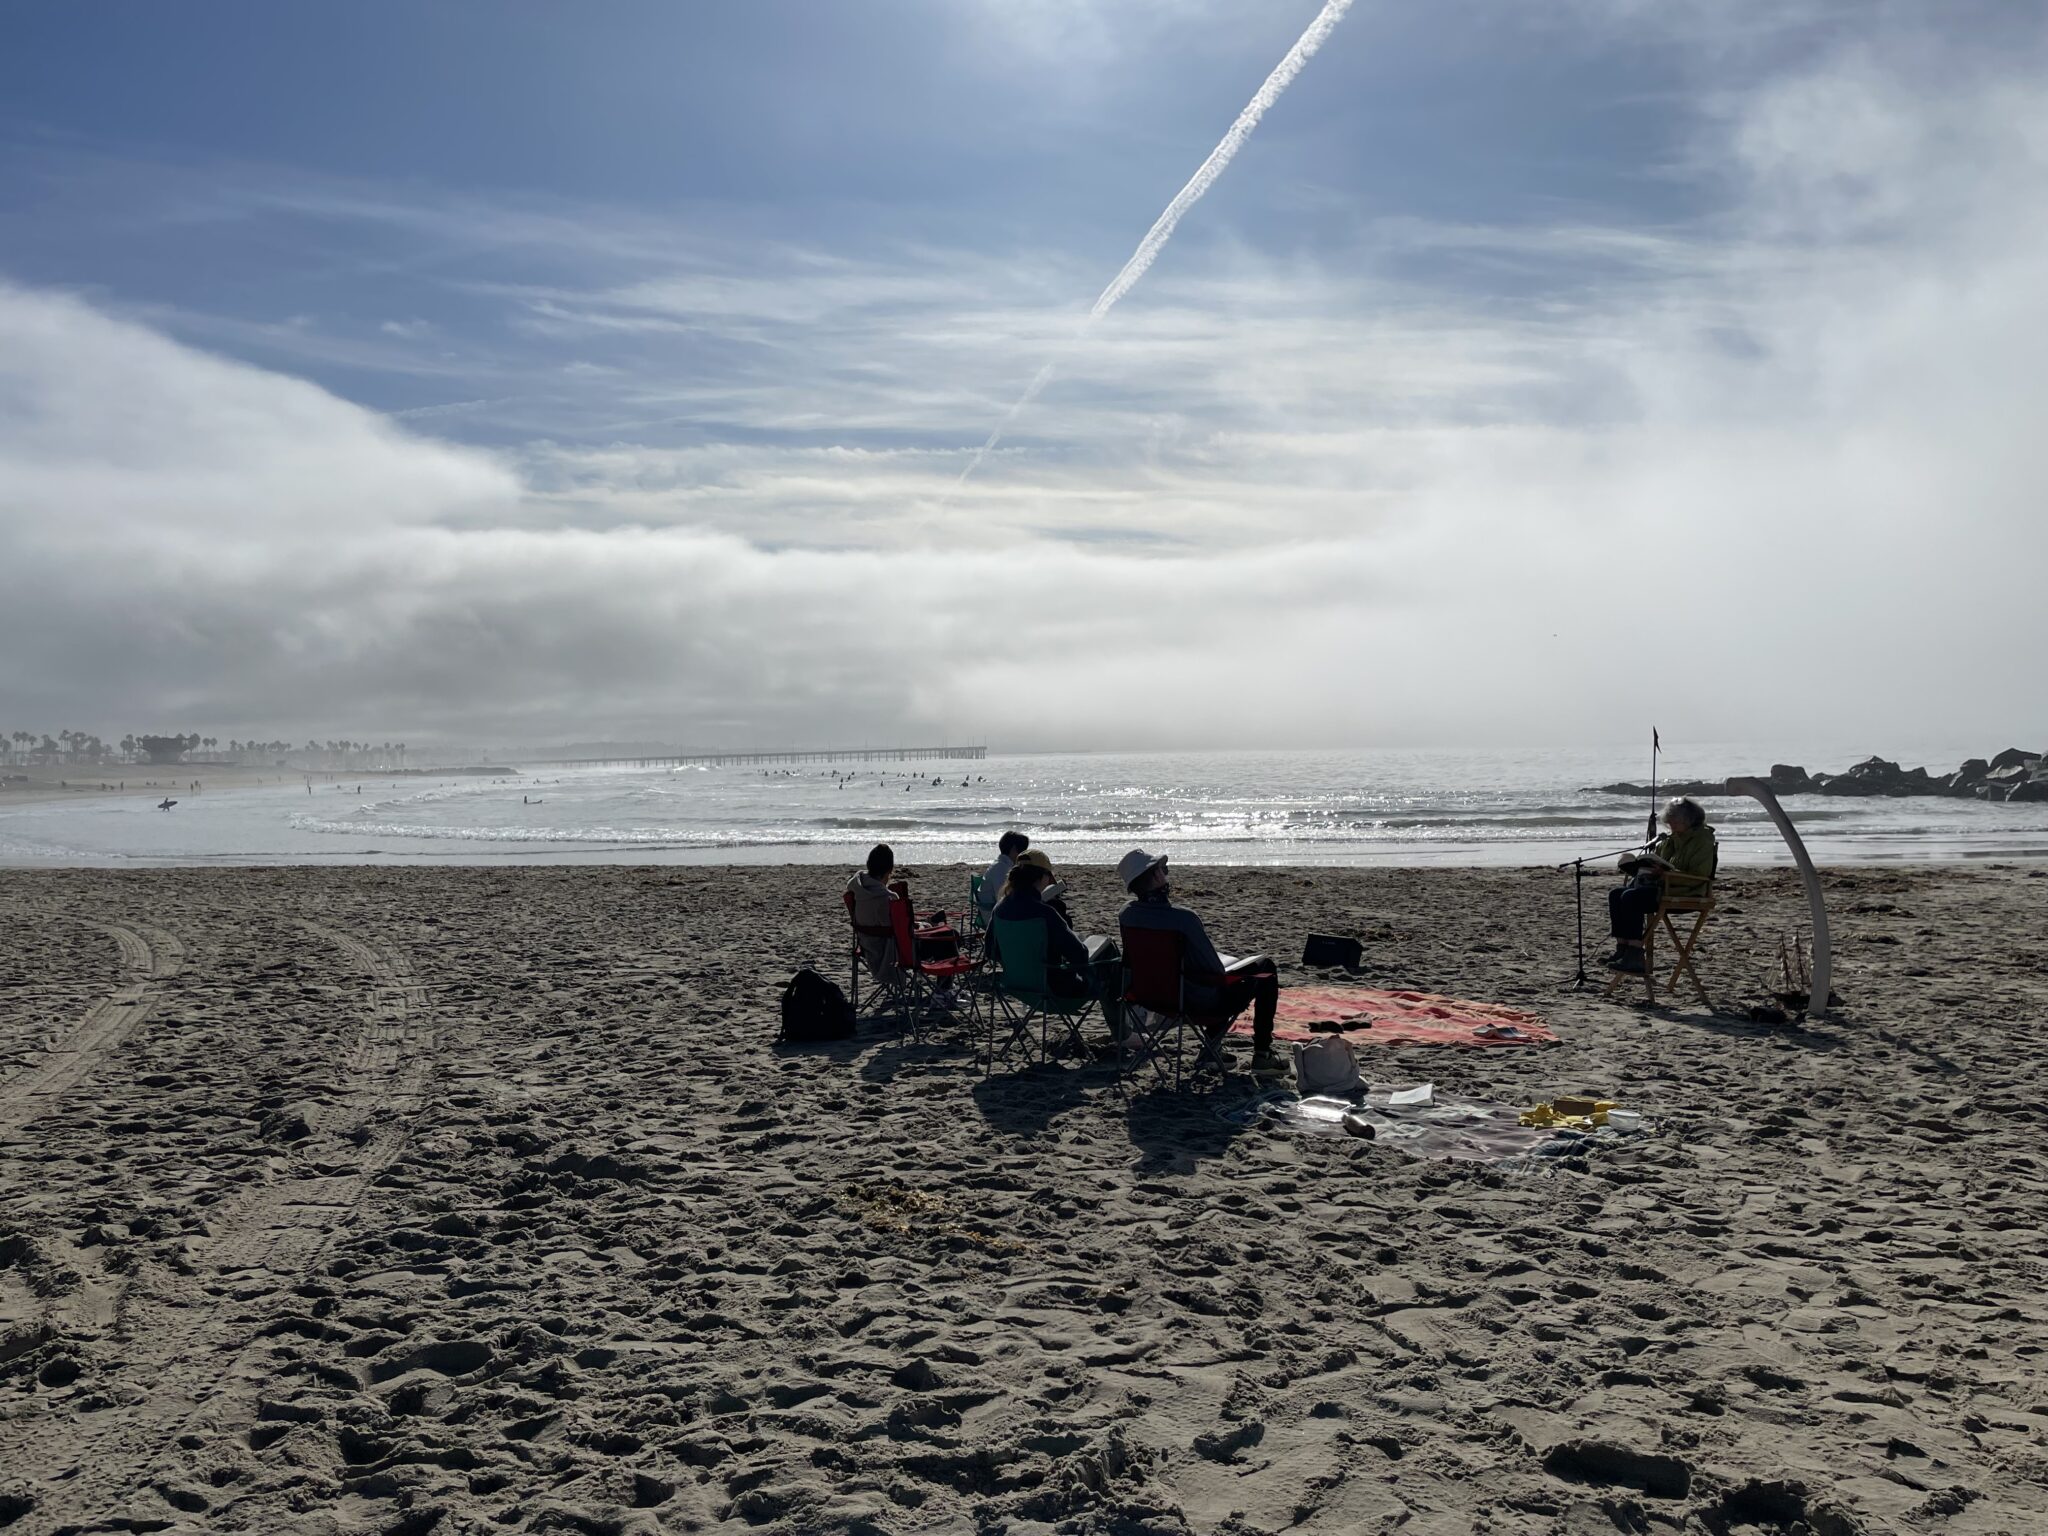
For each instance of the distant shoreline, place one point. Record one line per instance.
(40, 784)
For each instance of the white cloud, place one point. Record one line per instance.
(112, 432)
(1781, 461)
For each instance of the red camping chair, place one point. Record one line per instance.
(1155, 1016)
(887, 992)
(927, 977)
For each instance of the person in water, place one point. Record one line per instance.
(1687, 849)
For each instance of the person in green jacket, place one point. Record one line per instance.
(1687, 848)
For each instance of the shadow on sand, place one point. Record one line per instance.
(1806, 1037)
(1175, 1132)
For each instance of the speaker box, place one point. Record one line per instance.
(1324, 950)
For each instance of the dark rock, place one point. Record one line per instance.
(1872, 776)
(1681, 787)
(2034, 790)
(1996, 779)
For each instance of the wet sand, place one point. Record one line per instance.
(457, 1200)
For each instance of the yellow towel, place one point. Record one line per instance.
(1571, 1111)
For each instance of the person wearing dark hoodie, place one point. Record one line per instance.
(1073, 966)
(1217, 991)
(1688, 849)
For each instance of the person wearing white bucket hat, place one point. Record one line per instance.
(1215, 988)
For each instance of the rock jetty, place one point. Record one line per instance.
(2013, 775)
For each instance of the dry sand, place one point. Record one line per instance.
(465, 1201)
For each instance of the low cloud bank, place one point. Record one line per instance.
(1783, 476)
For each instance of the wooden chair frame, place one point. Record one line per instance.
(1680, 895)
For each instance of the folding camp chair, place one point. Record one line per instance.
(1156, 1020)
(1021, 1001)
(888, 992)
(928, 977)
(1681, 894)
(977, 915)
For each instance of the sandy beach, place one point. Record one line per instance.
(457, 1200)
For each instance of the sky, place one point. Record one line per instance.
(529, 373)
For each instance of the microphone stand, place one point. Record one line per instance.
(1578, 868)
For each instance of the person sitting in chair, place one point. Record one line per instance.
(1073, 966)
(872, 893)
(1217, 991)
(1687, 848)
(1008, 847)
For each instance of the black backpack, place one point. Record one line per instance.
(814, 1009)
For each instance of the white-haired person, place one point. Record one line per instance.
(1688, 848)
(1216, 990)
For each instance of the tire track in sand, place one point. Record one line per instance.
(123, 1468)
(148, 956)
(388, 1061)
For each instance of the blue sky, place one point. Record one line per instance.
(631, 297)
(337, 170)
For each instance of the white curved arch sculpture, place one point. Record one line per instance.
(1759, 791)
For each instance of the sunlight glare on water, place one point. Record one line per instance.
(1335, 807)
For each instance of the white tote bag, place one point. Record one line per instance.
(1326, 1065)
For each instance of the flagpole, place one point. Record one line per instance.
(1650, 826)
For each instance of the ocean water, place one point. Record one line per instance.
(1397, 807)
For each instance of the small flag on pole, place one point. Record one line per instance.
(1650, 823)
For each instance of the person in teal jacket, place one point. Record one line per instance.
(1688, 849)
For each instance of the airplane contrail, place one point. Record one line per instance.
(1162, 228)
